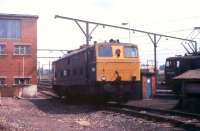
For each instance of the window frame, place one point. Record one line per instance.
(105, 47)
(167, 64)
(4, 81)
(125, 56)
(178, 63)
(68, 72)
(4, 49)
(24, 83)
(64, 73)
(23, 50)
(74, 71)
(81, 71)
(13, 29)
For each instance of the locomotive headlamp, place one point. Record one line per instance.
(103, 78)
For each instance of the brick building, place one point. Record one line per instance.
(18, 52)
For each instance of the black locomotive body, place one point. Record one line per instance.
(175, 66)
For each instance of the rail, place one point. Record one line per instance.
(179, 119)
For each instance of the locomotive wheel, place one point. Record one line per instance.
(122, 100)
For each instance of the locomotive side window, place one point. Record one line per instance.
(64, 73)
(74, 71)
(167, 64)
(68, 72)
(68, 61)
(81, 71)
(105, 51)
(178, 64)
(61, 74)
(130, 51)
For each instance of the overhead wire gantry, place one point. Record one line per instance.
(154, 37)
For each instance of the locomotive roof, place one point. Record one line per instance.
(115, 43)
(73, 52)
(76, 51)
(183, 57)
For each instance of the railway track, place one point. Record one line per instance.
(45, 83)
(179, 119)
(45, 87)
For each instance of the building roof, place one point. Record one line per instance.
(3, 15)
(189, 75)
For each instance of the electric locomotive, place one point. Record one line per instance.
(102, 71)
(175, 66)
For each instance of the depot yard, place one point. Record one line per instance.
(47, 113)
(23, 108)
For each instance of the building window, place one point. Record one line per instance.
(2, 81)
(22, 81)
(10, 28)
(2, 49)
(22, 49)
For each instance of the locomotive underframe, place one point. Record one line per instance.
(103, 91)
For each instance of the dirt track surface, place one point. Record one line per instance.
(48, 114)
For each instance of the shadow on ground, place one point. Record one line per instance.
(60, 106)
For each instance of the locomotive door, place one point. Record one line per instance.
(148, 88)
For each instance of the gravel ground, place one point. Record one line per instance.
(47, 114)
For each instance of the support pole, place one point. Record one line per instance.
(155, 54)
(196, 50)
(23, 67)
(87, 45)
(155, 41)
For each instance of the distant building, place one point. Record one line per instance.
(18, 50)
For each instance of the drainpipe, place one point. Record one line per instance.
(23, 67)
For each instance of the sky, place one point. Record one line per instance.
(170, 17)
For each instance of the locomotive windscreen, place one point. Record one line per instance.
(105, 51)
(130, 52)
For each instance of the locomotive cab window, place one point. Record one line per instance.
(130, 52)
(105, 51)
